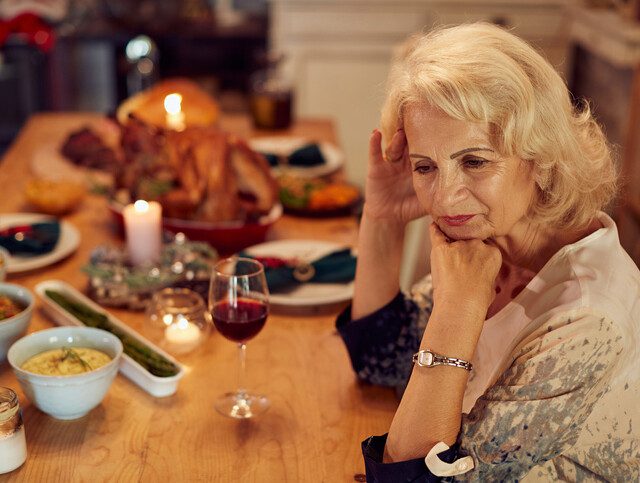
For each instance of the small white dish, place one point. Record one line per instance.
(12, 328)
(154, 385)
(66, 397)
(67, 243)
(4, 263)
(284, 146)
(305, 294)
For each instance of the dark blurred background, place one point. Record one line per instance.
(105, 50)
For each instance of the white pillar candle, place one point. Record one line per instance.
(174, 118)
(143, 228)
(182, 335)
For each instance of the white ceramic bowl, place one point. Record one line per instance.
(12, 328)
(4, 262)
(66, 397)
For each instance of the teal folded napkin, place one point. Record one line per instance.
(282, 274)
(308, 155)
(272, 159)
(30, 239)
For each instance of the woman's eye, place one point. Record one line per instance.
(423, 169)
(475, 162)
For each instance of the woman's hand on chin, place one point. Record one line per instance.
(463, 272)
(389, 193)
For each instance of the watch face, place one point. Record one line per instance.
(426, 358)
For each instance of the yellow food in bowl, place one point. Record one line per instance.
(54, 197)
(66, 361)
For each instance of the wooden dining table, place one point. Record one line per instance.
(319, 412)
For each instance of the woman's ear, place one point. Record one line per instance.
(541, 179)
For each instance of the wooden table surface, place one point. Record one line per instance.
(319, 413)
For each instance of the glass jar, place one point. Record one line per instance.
(177, 320)
(271, 97)
(13, 446)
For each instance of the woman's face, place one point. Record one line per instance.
(470, 190)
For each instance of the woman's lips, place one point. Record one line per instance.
(457, 220)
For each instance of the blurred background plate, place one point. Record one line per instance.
(285, 145)
(226, 237)
(67, 243)
(48, 163)
(305, 294)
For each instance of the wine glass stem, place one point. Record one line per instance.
(242, 355)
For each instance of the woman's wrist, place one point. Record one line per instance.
(392, 222)
(378, 270)
(470, 305)
(454, 330)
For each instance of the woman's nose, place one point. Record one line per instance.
(450, 189)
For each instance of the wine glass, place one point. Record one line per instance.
(239, 305)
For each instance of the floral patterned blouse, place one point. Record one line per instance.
(555, 390)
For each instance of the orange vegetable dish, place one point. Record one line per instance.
(332, 196)
(8, 308)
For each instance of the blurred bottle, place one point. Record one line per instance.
(142, 57)
(272, 96)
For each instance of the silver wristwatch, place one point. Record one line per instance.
(427, 358)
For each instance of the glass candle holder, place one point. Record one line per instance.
(13, 447)
(177, 320)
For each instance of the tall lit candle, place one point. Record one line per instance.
(175, 117)
(143, 228)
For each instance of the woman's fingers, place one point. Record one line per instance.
(396, 150)
(375, 147)
(436, 235)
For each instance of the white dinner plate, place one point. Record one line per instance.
(304, 294)
(284, 146)
(67, 243)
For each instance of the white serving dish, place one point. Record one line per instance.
(71, 396)
(154, 385)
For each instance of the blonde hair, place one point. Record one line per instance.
(481, 73)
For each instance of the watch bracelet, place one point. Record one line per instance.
(441, 360)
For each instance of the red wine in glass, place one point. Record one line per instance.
(239, 305)
(242, 321)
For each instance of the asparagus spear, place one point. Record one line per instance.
(142, 354)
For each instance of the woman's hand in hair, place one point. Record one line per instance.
(389, 193)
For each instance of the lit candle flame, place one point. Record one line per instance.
(141, 206)
(173, 104)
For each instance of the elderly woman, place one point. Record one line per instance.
(521, 349)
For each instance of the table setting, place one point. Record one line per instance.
(175, 288)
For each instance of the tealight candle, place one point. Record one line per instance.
(182, 335)
(177, 320)
(174, 118)
(143, 228)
